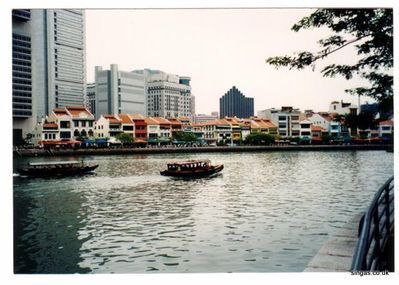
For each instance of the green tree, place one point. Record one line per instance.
(326, 138)
(184, 136)
(125, 138)
(366, 120)
(352, 122)
(370, 31)
(259, 139)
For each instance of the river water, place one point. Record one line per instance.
(266, 212)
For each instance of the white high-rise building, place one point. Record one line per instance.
(49, 64)
(119, 92)
(168, 95)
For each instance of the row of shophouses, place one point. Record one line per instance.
(75, 123)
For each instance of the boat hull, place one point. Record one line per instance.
(56, 171)
(194, 173)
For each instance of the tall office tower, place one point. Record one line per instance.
(168, 95)
(119, 92)
(48, 47)
(22, 106)
(234, 103)
(66, 58)
(91, 98)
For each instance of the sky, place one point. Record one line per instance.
(219, 48)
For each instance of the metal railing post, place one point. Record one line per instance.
(374, 240)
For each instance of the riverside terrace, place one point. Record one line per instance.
(170, 149)
(76, 123)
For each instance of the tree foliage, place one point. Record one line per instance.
(363, 121)
(369, 30)
(124, 138)
(259, 139)
(185, 136)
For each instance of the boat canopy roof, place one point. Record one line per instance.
(54, 163)
(190, 162)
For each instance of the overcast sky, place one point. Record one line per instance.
(219, 48)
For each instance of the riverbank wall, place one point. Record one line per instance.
(156, 150)
(337, 253)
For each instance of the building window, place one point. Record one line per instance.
(65, 135)
(64, 125)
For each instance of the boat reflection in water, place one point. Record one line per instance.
(57, 168)
(192, 169)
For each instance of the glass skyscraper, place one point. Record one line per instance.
(234, 103)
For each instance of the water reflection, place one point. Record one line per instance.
(266, 212)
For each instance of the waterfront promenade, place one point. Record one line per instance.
(337, 253)
(149, 150)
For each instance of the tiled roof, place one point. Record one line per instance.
(125, 118)
(161, 120)
(233, 120)
(255, 125)
(198, 124)
(315, 128)
(387, 123)
(137, 117)
(77, 111)
(174, 121)
(60, 111)
(183, 118)
(221, 122)
(326, 116)
(151, 121)
(262, 123)
(112, 119)
(50, 126)
(269, 124)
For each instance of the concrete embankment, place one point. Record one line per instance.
(337, 254)
(124, 151)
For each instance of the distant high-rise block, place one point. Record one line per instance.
(119, 92)
(168, 95)
(234, 103)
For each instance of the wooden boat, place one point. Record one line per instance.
(192, 169)
(56, 168)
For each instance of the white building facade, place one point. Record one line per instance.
(286, 119)
(342, 108)
(119, 92)
(168, 95)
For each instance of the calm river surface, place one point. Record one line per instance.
(266, 212)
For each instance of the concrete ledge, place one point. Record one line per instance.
(337, 254)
